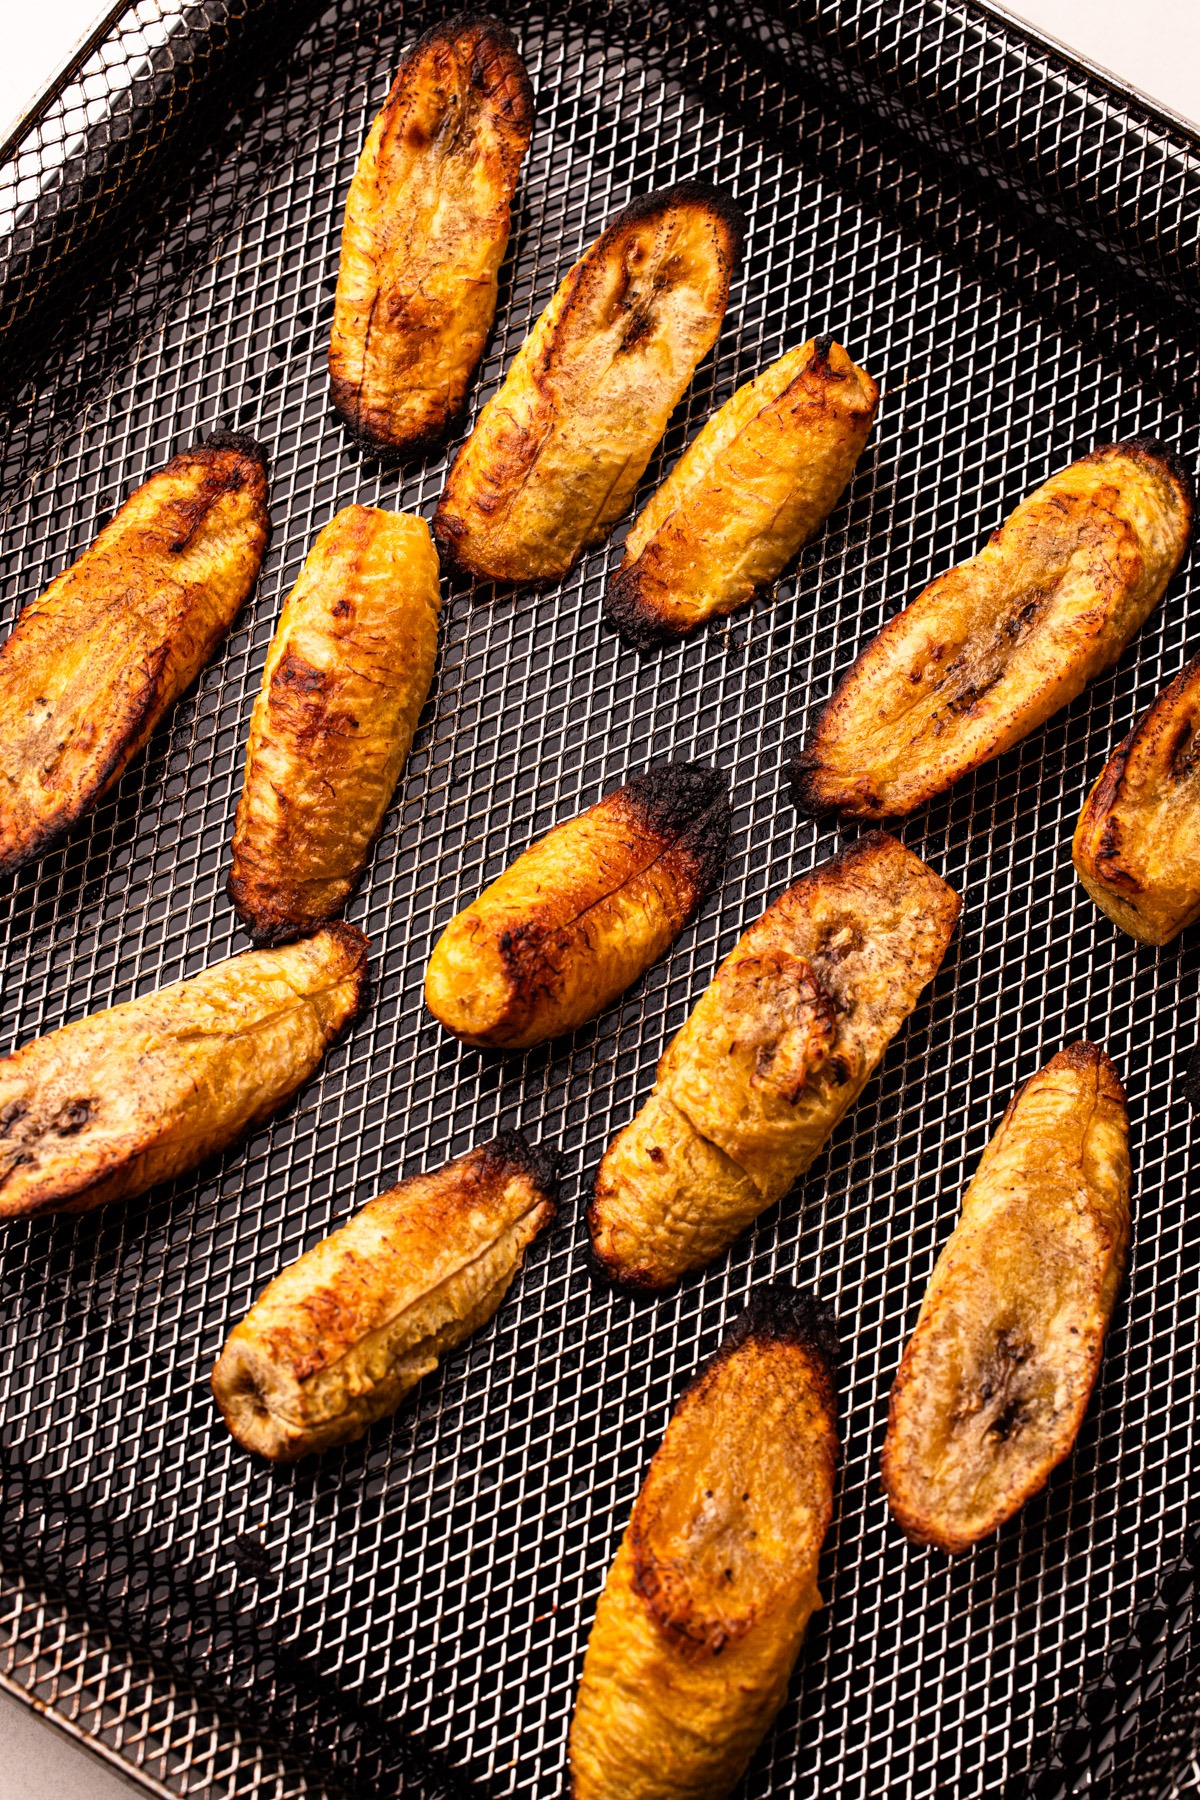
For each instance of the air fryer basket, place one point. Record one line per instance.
(1009, 245)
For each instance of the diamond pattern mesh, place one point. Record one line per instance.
(1008, 249)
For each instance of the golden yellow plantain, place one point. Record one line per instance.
(778, 1048)
(583, 912)
(745, 495)
(1137, 843)
(345, 680)
(337, 1340)
(104, 1108)
(993, 1386)
(555, 455)
(427, 224)
(711, 1591)
(997, 645)
(93, 665)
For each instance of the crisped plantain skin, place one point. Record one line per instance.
(346, 677)
(583, 913)
(427, 224)
(711, 1591)
(556, 454)
(337, 1340)
(104, 1108)
(778, 1048)
(93, 665)
(997, 645)
(745, 495)
(1137, 843)
(993, 1386)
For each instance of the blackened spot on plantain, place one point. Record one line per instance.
(1012, 1351)
(72, 1117)
(512, 1150)
(297, 676)
(12, 1115)
(687, 802)
(1185, 752)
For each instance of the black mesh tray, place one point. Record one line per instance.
(1010, 245)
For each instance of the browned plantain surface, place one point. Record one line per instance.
(556, 454)
(427, 224)
(997, 645)
(104, 1108)
(711, 1591)
(345, 680)
(93, 665)
(1137, 843)
(778, 1048)
(993, 1386)
(583, 913)
(337, 1340)
(745, 495)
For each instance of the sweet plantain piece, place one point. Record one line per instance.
(337, 1340)
(94, 664)
(1137, 843)
(778, 1048)
(556, 454)
(583, 912)
(427, 223)
(993, 1386)
(711, 1591)
(104, 1108)
(346, 677)
(753, 487)
(997, 645)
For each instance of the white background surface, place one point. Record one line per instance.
(1152, 44)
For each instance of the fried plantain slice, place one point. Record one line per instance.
(710, 1594)
(556, 454)
(993, 1386)
(340, 1336)
(427, 223)
(93, 665)
(746, 494)
(778, 1048)
(106, 1107)
(997, 645)
(345, 680)
(1137, 843)
(583, 912)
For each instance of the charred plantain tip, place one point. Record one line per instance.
(484, 27)
(627, 1282)
(541, 1162)
(1150, 449)
(459, 24)
(689, 803)
(223, 438)
(626, 612)
(783, 1314)
(700, 194)
(802, 767)
(353, 941)
(670, 796)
